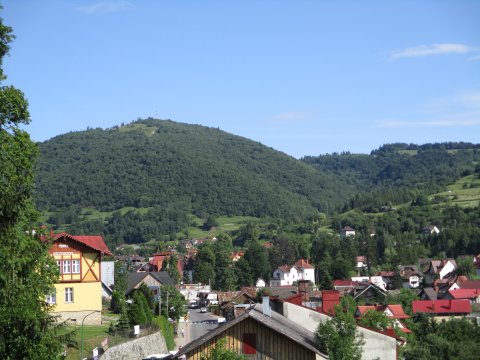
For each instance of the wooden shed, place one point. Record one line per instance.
(258, 334)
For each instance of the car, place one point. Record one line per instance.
(203, 310)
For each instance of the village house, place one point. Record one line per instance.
(347, 231)
(153, 280)
(360, 263)
(439, 269)
(236, 255)
(430, 230)
(78, 292)
(472, 295)
(288, 274)
(410, 276)
(235, 303)
(442, 308)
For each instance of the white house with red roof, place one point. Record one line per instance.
(78, 292)
(287, 274)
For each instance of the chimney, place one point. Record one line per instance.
(304, 289)
(267, 310)
(330, 298)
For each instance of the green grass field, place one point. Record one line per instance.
(225, 224)
(464, 193)
(92, 337)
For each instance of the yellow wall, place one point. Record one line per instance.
(87, 274)
(86, 296)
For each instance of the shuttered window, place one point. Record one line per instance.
(249, 344)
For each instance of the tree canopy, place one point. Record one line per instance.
(27, 271)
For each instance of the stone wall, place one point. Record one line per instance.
(77, 317)
(137, 349)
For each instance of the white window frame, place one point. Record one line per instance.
(67, 267)
(51, 298)
(69, 295)
(76, 266)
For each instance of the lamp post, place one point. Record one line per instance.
(81, 341)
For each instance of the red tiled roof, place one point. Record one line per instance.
(285, 268)
(95, 242)
(362, 309)
(344, 283)
(303, 264)
(442, 306)
(464, 293)
(470, 284)
(396, 310)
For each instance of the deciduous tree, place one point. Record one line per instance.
(27, 271)
(338, 337)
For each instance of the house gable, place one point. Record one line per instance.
(276, 337)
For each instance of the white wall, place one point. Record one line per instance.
(377, 346)
(108, 271)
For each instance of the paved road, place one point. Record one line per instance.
(198, 324)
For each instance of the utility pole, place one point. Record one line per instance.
(167, 304)
(160, 300)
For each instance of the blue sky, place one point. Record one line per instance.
(303, 77)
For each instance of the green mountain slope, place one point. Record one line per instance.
(194, 168)
(396, 173)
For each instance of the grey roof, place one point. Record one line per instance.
(283, 292)
(276, 322)
(429, 294)
(136, 277)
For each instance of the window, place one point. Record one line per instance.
(59, 264)
(51, 298)
(75, 266)
(66, 267)
(249, 344)
(69, 295)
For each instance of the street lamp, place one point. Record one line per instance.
(81, 341)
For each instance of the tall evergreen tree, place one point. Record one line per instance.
(225, 278)
(27, 271)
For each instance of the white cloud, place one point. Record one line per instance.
(291, 116)
(432, 50)
(474, 58)
(462, 121)
(106, 7)
(470, 99)
(459, 110)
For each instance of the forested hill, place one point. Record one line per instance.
(397, 173)
(188, 168)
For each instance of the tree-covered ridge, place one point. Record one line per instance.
(396, 173)
(163, 163)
